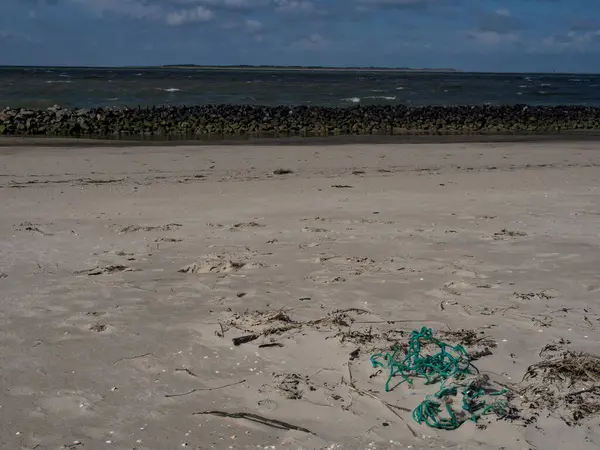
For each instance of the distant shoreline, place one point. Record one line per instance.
(305, 68)
(298, 68)
(250, 68)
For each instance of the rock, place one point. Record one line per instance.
(221, 121)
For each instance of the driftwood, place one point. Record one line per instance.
(274, 423)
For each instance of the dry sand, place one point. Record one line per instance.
(100, 330)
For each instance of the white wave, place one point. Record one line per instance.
(399, 88)
(58, 81)
(385, 97)
(545, 84)
(377, 90)
(113, 99)
(170, 89)
(523, 86)
(352, 99)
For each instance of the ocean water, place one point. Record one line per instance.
(40, 87)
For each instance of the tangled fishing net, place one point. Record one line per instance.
(451, 367)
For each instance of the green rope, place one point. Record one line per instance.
(449, 362)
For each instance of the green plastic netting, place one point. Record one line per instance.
(451, 367)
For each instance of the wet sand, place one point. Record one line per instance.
(564, 137)
(126, 273)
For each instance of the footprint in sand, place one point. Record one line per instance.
(32, 227)
(136, 228)
(221, 264)
(167, 239)
(458, 287)
(314, 230)
(267, 404)
(111, 268)
(246, 225)
(505, 233)
(99, 327)
(463, 273)
(326, 280)
(71, 405)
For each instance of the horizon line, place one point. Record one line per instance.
(248, 66)
(288, 67)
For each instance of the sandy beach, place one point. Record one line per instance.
(127, 275)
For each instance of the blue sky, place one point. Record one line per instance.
(486, 35)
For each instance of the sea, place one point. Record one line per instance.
(41, 87)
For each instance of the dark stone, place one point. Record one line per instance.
(282, 171)
(222, 121)
(244, 339)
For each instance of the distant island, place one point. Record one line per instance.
(245, 68)
(304, 68)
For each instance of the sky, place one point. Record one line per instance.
(472, 35)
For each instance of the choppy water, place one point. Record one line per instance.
(90, 87)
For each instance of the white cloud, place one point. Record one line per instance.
(171, 12)
(180, 12)
(222, 4)
(313, 41)
(492, 38)
(254, 26)
(256, 29)
(400, 3)
(12, 37)
(297, 7)
(500, 21)
(192, 15)
(135, 9)
(572, 40)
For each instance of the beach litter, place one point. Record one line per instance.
(463, 394)
(451, 368)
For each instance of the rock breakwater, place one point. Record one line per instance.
(246, 120)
